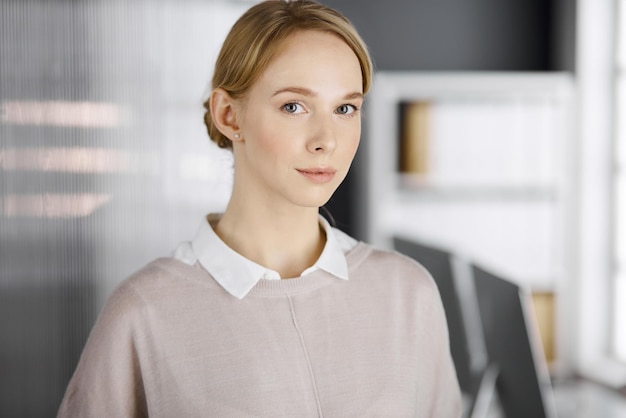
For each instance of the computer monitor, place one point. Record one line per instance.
(523, 384)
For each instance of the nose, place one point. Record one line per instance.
(323, 136)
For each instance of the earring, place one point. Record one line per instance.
(236, 136)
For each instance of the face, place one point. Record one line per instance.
(301, 122)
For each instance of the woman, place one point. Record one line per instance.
(270, 311)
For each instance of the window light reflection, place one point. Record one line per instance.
(61, 113)
(70, 160)
(51, 205)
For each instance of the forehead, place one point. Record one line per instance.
(315, 57)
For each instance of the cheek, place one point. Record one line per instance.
(263, 137)
(353, 140)
(271, 145)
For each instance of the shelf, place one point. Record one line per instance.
(451, 194)
(478, 163)
(413, 187)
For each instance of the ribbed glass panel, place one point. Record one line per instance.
(619, 188)
(104, 165)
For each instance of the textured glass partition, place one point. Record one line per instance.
(619, 210)
(104, 165)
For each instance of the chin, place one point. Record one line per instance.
(313, 200)
(311, 196)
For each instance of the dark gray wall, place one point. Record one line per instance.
(456, 35)
(494, 35)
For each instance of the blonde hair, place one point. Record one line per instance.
(258, 36)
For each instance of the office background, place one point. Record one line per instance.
(105, 164)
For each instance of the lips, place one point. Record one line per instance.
(318, 175)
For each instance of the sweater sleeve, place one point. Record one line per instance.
(444, 390)
(448, 401)
(107, 381)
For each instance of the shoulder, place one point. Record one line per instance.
(389, 268)
(124, 306)
(157, 273)
(135, 288)
(157, 284)
(167, 273)
(370, 257)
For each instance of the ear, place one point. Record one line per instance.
(224, 114)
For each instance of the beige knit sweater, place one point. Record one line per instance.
(171, 342)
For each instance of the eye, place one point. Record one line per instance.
(293, 108)
(346, 109)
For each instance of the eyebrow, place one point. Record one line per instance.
(310, 93)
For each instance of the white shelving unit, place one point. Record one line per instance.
(498, 189)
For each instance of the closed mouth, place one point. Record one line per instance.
(318, 174)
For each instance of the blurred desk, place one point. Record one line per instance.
(580, 399)
(584, 399)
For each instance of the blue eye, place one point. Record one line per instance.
(292, 107)
(346, 109)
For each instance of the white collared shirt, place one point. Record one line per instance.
(238, 275)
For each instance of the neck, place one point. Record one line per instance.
(286, 239)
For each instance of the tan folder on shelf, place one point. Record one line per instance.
(415, 137)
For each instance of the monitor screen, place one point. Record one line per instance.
(523, 384)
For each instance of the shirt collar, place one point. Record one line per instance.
(238, 275)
